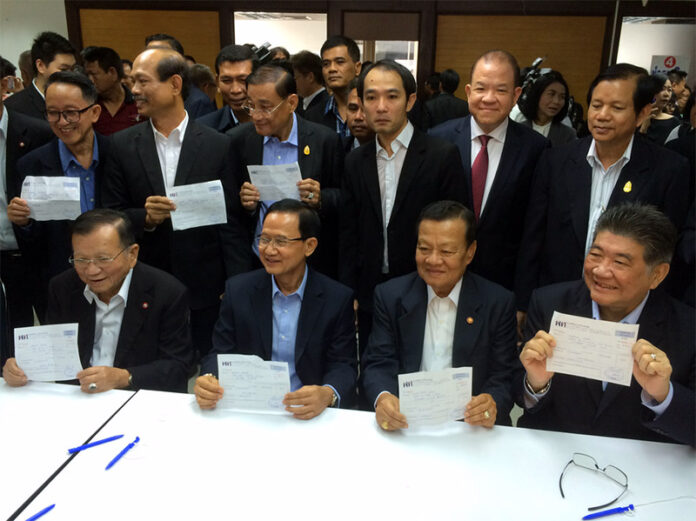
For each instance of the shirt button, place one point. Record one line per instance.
(86, 178)
(282, 336)
(91, 200)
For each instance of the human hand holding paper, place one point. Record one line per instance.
(533, 357)
(157, 208)
(387, 413)
(18, 211)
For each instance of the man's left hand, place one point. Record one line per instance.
(310, 192)
(105, 378)
(477, 408)
(309, 401)
(651, 369)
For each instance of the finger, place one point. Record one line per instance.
(543, 335)
(206, 404)
(304, 409)
(206, 394)
(395, 419)
(308, 415)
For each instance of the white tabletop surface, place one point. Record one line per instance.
(193, 464)
(39, 422)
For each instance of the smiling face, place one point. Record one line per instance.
(65, 97)
(492, 93)
(611, 118)
(290, 259)
(152, 96)
(338, 67)
(551, 102)
(231, 81)
(263, 98)
(385, 102)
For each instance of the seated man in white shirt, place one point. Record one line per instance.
(442, 317)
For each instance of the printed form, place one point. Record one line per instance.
(198, 204)
(276, 182)
(429, 398)
(252, 384)
(48, 353)
(52, 198)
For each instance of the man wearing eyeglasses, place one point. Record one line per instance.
(288, 312)
(133, 319)
(277, 136)
(77, 151)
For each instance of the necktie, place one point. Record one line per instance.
(479, 171)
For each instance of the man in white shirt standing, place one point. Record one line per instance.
(442, 317)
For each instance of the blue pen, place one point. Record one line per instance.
(94, 444)
(619, 510)
(42, 512)
(123, 452)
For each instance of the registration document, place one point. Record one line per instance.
(198, 204)
(590, 348)
(48, 353)
(429, 398)
(276, 182)
(52, 198)
(252, 384)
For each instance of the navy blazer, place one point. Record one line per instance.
(28, 101)
(555, 227)
(487, 342)
(325, 350)
(220, 120)
(499, 229)
(445, 107)
(24, 134)
(198, 103)
(575, 404)
(559, 134)
(154, 342)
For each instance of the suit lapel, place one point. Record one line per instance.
(508, 159)
(467, 327)
(147, 151)
(140, 293)
(313, 303)
(85, 333)
(415, 154)
(636, 171)
(262, 306)
(579, 182)
(305, 143)
(411, 323)
(189, 152)
(36, 100)
(371, 178)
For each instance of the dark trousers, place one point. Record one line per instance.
(18, 280)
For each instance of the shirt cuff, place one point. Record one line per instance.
(338, 396)
(374, 405)
(651, 403)
(531, 399)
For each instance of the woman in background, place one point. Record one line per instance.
(546, 106)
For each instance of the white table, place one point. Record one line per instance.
(194, 464)
(39, 422)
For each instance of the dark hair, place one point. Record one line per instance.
(106, 57)
(407, 78)
(282, 50)
(309, 223)
(277, 74)
(124, 61)
(45, 47)
(339, 40)
(530, 108)
(236, 53)
(433, 81)
(89, 91)
(190, 58)
(171, 64)
(677, 75)
(449, 80)
(644, 224)
(171, 41)
(93, 219)
(447, 210)
(499, 55)
(305, 61)
(643, 93)
(6, 68)
(201, 75)
(353, 83)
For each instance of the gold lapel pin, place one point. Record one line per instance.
(627, 187)
(306, 150)
(469, 320)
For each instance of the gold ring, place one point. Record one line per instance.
(385, 425)
(486, 414)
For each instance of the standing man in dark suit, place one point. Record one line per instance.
(288, 312)
(446, 105)
(628, 259)
(50, 53)
(233, 65)
(278, 136)
(307, 69)
(499, 157)
(387, 184)
(167, 151)
(133, 327)
(575, 183)
(439, 318)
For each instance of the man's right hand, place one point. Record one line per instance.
(533, 358)
(387, 413)
(12, 374)
(208, 391)
(249, 196)
(157, 208)
(18, 211)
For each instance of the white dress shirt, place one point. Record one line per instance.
(33, 82)
(542, 129)
(7, 236)
(495, 152)
(107, 323)
(169, 149)
(439, 330)
(389, 172)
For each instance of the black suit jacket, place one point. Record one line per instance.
(575, 404)
(432, 171)
(154, 343)
(317, 101)
(445, 107)
(559, 134)
(320, 156)
(555, 227)
(499, 230)
(202, 258)
(220, 120)
(24, 134)
(487, 344)
(28, 101)
(198, 103)
(325, 351)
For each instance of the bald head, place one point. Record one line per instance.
(161, 81)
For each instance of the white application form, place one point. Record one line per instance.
(276, 182)
(590, 348)
(48, 353)
(252, 384)
(430, 398)
(52, 198)
(198, 204)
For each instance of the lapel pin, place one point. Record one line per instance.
(627, 187)
(469, 320)
(145, 305)
(306, 150)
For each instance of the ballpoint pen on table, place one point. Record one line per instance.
(94, 444)
(630, 508)
(123, 452)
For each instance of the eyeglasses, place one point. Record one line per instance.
(100, 262)
(278, 242)
(264, 112)
(588, 462)
(70, 116)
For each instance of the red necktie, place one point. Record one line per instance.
(479, 171)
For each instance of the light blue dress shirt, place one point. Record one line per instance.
(72, 168)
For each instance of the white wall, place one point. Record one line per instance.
(294, 35)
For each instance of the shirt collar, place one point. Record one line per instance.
(177, 133)
(292, 138)
(453, 295)
(232, 115)
(33, 82)
(593, 158)
(3, 122)
(299, 291)
(330, 105)
(402, 140)
(122, 292)
(306, 101)
(67, 157)
(631, 318)
(498, 133)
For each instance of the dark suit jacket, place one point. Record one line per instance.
(432, 171)
(198, 104)
(318, 101)
(445, 107)
(220, 120)
(202, 258)
(555, 227)
(575, 404)
(559, 134)
(499, 230)
(154, 343)
(324, 163)
(487, 344)
(28, 101)
(24, 134)
(325, 351)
